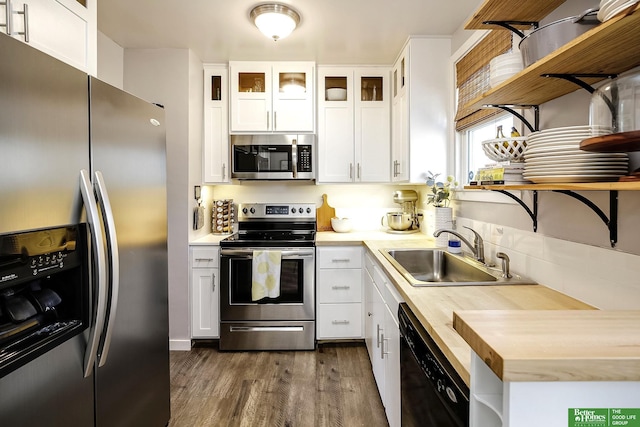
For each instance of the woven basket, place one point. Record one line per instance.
(504, 149)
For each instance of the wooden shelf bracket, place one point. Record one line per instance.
(510, 109)
(611, 222)
(532, 214)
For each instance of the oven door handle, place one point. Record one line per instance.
(248, 253)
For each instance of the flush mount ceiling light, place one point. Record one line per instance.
(274, 20)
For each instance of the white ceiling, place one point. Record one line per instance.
(331, 31)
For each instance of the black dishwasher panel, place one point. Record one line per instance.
(432, 393)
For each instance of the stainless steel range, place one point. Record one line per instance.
(267, 279)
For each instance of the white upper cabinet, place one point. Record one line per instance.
(64, 29)
(215, 167)
(421, 91)
(354, 136)
(272, 97)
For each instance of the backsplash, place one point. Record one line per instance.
(602, 277)
(364, 204)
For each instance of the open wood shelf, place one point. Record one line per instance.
(586, 186)
(609, 48)
(501, 10)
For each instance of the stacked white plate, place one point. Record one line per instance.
(610, 8)
(504, 66)
(554, 156)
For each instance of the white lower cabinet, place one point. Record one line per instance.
(205, 292)
(339, 292)
(382, 337)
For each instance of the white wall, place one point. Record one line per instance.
(163, 76)
(110, 61)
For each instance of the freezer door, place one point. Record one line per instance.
(128, 152)
(43, 145)
(43, 138)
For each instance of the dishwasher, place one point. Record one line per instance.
(432, 392)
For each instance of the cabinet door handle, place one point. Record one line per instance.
(340, 260)
(267, 120)
(336, 287)
(275, 120)
(25, 16)
(213, 282)
(378, 329)
(358, 171)
(204, 259)
(340, 322)
(382, 352)
(7, 12)
(350, 170)
(224, 171)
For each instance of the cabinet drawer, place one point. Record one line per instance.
(339, 321)
(340, 257)
(339, 285)
(205, 257)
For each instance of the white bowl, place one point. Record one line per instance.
(336, 94)
(341, 225)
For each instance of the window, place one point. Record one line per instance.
(473, 155)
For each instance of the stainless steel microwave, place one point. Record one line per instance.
(273, 157)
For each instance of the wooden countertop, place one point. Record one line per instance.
(561, 345)
(434, 306)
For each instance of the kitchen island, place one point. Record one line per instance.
(532, 368)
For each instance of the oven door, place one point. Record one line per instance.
(297, 286)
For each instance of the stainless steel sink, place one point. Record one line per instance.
(435, 267)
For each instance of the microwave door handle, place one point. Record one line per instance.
(97, 243)
(114, 264)
(294, 157)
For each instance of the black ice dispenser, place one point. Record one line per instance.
(44, 296)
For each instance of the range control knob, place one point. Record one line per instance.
(252, 210)
(293, 210)
(300, 210)
(244, 211)
(308, 210)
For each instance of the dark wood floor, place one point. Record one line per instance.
(331, 386)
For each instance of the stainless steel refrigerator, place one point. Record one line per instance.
(80, 154)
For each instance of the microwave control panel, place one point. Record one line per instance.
(304, 158)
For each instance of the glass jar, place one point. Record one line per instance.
(617, 103)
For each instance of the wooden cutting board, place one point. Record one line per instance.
(612, 143)
(324, 214)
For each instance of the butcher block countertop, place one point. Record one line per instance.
(434, 306)
(562, 345)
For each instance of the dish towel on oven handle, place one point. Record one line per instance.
(265, 280)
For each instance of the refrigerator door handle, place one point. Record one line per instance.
(113, 261)
(97, 243)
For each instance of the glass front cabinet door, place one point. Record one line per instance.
(272, 97)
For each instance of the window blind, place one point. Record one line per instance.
(472, 77)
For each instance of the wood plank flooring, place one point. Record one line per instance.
(332, 386)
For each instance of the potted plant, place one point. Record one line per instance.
(439, 196)
(440, 191)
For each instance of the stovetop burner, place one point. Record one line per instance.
(274, 225)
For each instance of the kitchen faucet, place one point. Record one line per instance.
(478, 244)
